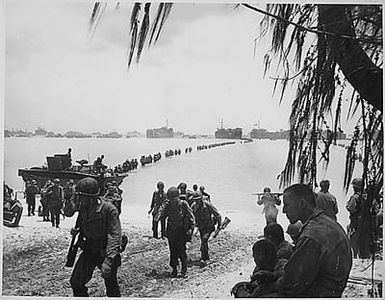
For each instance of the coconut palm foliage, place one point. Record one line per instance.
(140, 28)
(333, 54)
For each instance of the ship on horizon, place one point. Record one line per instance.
(228, 133)
(162, 132)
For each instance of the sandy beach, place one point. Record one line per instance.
(34, 257)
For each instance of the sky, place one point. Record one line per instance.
(202, 70)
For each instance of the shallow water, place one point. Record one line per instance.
(230, 173)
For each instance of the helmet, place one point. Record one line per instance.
(266, 190)
(33, 181)
(56, 180)
(197, 195)
(358, 183)
(87, 187)
(202, 188)
(182, 186)
(160, 184)
(172, 192)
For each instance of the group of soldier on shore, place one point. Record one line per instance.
(316, 263)
(185, 211)
(53, 197)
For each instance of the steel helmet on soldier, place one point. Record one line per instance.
(56, 180)
(33, 181)
(182, 186)
(358, 183)
(172, 193)
(197, 195)
(160, 184)
(87, 187)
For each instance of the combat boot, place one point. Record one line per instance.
(174, 272)
(184, 271)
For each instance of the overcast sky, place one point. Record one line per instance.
(203, 69)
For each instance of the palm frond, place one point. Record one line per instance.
(143, 30)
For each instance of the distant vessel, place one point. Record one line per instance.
(229, 133)
(111, 135)
(40, 131)
(163, 132)
(76, 134)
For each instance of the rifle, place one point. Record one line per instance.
(224, 224)
(72, 251)
(261, 194)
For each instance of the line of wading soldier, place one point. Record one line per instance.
(317, 264)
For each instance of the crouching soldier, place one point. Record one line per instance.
(206, 216)
(100, 234)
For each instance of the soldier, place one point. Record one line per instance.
(45, 200)
(30, 193)
(206, 216)
(56, 202)
(100, 238)
(69, 190)
(112, 195)
(180, 226)
(326, 201)
(269, 209)
(204, 193)
(158, 197)
(360, 220)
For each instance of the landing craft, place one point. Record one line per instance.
(59, 166)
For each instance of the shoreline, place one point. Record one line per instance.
(34, 257)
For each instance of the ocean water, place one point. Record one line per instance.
(229, 173)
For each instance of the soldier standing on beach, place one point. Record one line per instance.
(179, 229)
(55, 193)
(100, 236)
(45, 200)
(326, 201)
(158, 197)
(69, 190)
(359, 229)
(206, 216)
(269, 201)
(30, 194)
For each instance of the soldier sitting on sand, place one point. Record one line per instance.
(274, 233)
(266, 262)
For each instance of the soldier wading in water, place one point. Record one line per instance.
(100, 238)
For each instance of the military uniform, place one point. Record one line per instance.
(45, 200)
(55, 204)
(328, 203)
(158, 197)
(100, 240)
(30, 193)
(321, 263)
(206, 216)
(269, 201)
(359, 229)
(180, 219)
